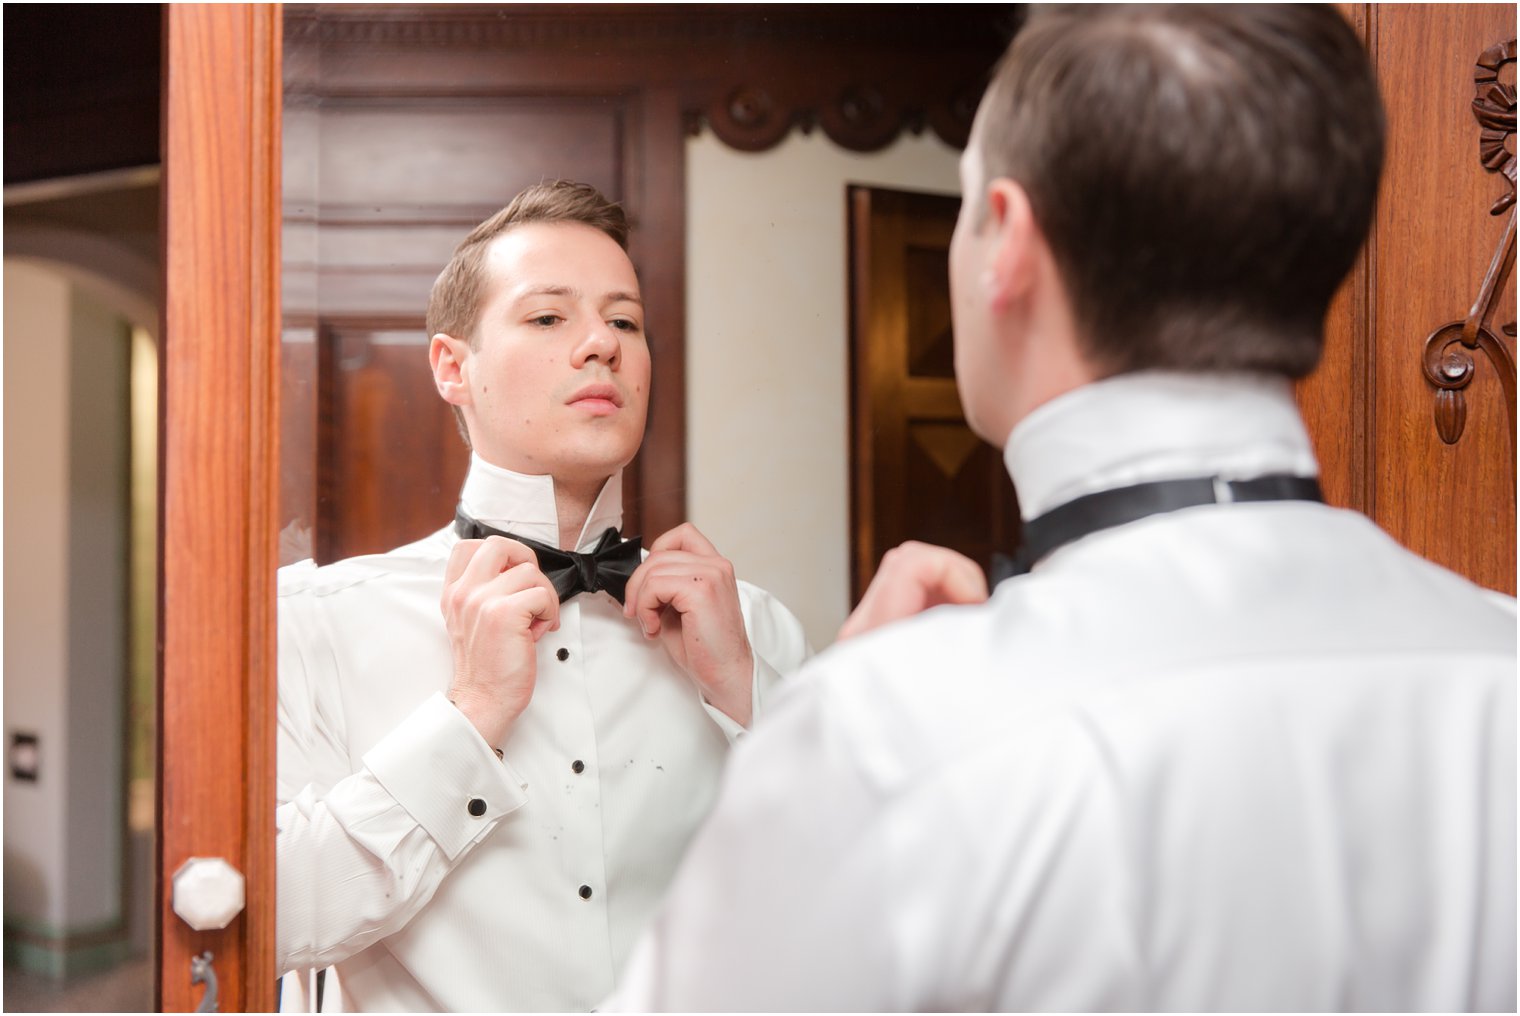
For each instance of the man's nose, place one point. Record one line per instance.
(601, 343)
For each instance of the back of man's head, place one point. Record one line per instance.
(1204, 176)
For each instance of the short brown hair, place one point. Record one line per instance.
(1204, 176)
(454, 304)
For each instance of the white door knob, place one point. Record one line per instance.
(208, 893)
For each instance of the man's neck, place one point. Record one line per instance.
(551, 509)
(573, 502)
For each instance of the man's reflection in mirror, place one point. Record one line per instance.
(494, 743)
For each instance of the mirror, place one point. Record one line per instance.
(731, 138)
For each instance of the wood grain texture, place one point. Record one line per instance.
(390, 458)
(1453, 503)
(1336, 399)
(218, 473)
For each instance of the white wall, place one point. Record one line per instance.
(36, 584)
(767, 345)
(98, 588)
(65, 599)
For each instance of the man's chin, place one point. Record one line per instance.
(590, 467)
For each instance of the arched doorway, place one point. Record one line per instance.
(80, 574)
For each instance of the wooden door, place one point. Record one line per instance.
(219, 363)
(917, 470)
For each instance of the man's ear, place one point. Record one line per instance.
(1011, 271)
(450, 358)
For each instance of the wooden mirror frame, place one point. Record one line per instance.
(219, 486)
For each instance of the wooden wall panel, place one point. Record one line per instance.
(390, 473)
(1435, 239)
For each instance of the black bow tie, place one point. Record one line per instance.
(607, 566)
(1109, 508)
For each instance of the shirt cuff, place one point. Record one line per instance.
(438, 767)
(764, 678)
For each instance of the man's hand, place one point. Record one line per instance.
(912, 578)
(685, 594)
(496, 606)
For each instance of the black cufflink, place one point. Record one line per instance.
(476, 807)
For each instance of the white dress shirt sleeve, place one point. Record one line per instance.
(780, 648)
(359, 853)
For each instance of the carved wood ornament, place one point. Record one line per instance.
(1448, 359)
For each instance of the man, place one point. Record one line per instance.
(1224, 747)
(492, 754)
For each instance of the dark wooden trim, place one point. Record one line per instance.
(1364, 399)
(751, 73)
(219, 360)
(1337, 399)
(862, 420)
(657, 181)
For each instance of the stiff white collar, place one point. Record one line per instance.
(1155, 425)
(525, 505)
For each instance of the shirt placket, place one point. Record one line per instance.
(583, 862)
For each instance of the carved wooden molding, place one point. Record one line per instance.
(860, 116)
(751, 74)
(1448, 361)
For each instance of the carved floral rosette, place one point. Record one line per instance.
(1448, 361)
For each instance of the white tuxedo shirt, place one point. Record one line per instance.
(1250, 756)
(385, 870)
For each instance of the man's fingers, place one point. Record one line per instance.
(955, 578)
(676, 579)
(657, 590)
(476, 562)
(459, 557)
(913, 578)
(467, 604)
(496, 555)
(685, 537)
(525, 578)
(667, 562)
(536, 608)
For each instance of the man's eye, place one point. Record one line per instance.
(625, 325)
(546, 320)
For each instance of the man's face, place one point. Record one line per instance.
(977, 376)
(558, 379)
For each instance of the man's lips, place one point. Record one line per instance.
(598, 398)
